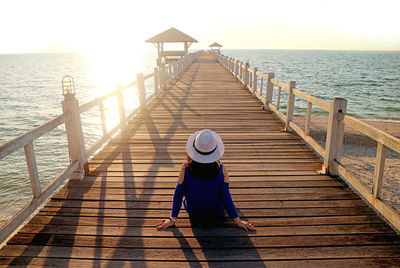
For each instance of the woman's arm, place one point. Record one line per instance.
(231, 207)
(177, 201)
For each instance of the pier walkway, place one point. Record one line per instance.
(108, 219)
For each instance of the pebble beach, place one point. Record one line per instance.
(359, 154)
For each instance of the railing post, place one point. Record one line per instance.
(175, 70)
(334, 135)
(103, 119)
(156, 80)
(278, 98)
(169, 72)
(141, 89)
(32, 169)
(121, 106)
(73, 127)
(308, 118)
(255, 79)
(240, 71)
(163, 76)
(379, 170)
(270, 90)
(290, 106)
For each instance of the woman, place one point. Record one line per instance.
(204, 182)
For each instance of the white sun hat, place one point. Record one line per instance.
(205, 146)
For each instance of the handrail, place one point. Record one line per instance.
(334, 141)
(87, 106)
(79, 155)
(28, 137)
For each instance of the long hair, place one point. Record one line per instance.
(208, 171)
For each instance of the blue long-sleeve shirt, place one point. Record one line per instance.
(202, 196)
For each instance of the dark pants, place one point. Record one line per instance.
(208, 219)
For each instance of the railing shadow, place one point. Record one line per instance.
(207, 238)
(155, 137)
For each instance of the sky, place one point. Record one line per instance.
(117, 26)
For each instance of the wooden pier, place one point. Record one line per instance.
(303, 219)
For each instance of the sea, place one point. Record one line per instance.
(31, 94)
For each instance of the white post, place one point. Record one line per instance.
(142, 92)
(32, 169)
(73, 127)
(308, 118)
(175, 70)
(290, 106)
(169, 72)
(103, 119)
(269, 90)
(255, 79)
(163, 76)
(334, 135)
(240, 71)
(156, 80)
(121, 106)
(379, 170)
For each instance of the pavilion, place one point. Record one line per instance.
(171, 35)
(216, 47)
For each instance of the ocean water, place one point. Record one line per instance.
(369, 80)
(30, 94)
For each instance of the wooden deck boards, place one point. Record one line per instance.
(303, 219)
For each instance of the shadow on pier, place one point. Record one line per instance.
(108, 219)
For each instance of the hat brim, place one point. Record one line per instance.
(216, 155)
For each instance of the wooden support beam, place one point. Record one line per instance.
(141, 89)
(156, 80)
(379, 170)
(121, 106)
(32, 169)
(255, 79)
(73, 127)
(270, 90)
(290, 106)
(103, 119)
(334, 135)
(308, 118)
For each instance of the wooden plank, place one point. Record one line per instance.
(184, 222)
(165, 205)
(209, 232)
(210, 254)
(312, 263)
(277, 212)
(100, 195)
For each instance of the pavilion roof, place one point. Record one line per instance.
(171, 35)
(215, 44)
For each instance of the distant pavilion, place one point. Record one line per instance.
(171, 36)
(216, 47)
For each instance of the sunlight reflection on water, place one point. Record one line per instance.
(31, 94)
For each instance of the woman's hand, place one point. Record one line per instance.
(165, 224)
(244, 224)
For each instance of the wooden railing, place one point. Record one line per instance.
(78, 153)
(337, 119)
